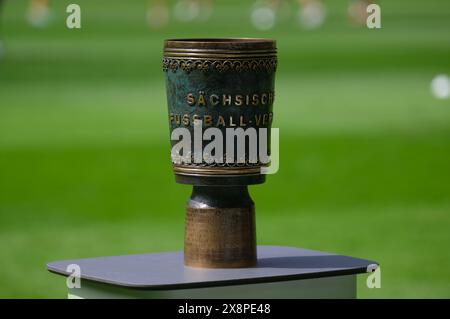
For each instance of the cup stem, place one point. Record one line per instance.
(220, 228)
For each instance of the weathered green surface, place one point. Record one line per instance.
(225, 94)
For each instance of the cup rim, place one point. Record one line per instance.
(221, 43)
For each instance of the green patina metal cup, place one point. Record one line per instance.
(220, 94)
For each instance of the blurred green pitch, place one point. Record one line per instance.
(365, 148)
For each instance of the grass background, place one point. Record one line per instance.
(365, 148)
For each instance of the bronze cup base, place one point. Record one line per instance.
(220, 229)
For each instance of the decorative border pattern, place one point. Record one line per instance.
(221, 165)
(216, 171)
(224, 165)
(225, 169)
(204, 65)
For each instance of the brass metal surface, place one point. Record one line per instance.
(240, 54)
(220, 237)
(220, 228)
(192, 170)
(224, 44)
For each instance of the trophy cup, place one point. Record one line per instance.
(220, 94)
(225, 85)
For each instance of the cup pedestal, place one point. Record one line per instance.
(280, 272)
